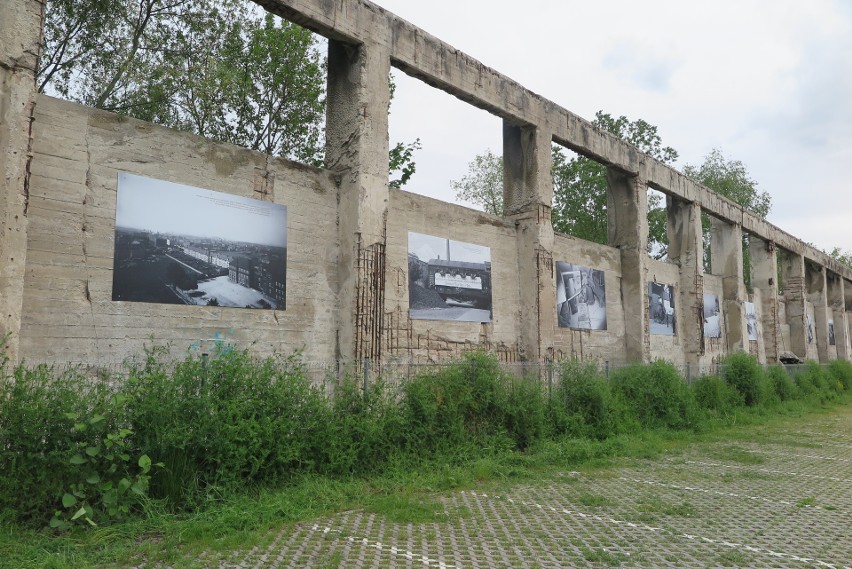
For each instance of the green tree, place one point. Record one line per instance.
(580, 186)
(731, 179)
(841, 256)
(216, 68)
(483, 184)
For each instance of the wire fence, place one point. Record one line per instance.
(327, 375)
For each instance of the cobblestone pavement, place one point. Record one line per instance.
(782, 498)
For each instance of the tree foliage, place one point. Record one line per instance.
(580, 186)
(216, 68)
(483, 184)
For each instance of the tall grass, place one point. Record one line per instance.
(218, 427)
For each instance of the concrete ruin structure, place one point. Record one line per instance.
(347, 260)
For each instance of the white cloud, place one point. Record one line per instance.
(768, 83)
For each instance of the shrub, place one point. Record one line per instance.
(656, 395)
(841, 371)
(784, 387)
(715, 394)
(742, 372)
(582, 403)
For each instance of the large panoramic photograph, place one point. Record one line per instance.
(178, 244)
(448, 280)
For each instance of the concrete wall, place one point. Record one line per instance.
(347, 282)
(68, 314)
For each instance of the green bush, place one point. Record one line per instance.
(715, 394)
(781, 382)
(742, 372)
(841, 371)
(38, 407)
(582, 403)
(656, 395)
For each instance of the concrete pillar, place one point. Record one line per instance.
(686, 249)
(837, 310)
(764, 278)
(20, 42)
(793, 279)
(726, 260)
(627, 212)
(816, 294)
(357, 150)
(528, 197)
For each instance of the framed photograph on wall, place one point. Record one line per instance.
(661, 309)
(448, 280)
(712, 316)
(751, 321)
(179, 244)
(580, 297)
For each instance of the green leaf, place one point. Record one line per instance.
(93, 451)
(71, 416)
(77, 459)
(123, 484)
(93, 479)
(124, 456)
(80, 427)
(80, 512)
(140, 487)
(96, 419)
(68, 500)
(145, 463)
(56, 522)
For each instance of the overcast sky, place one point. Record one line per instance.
(167, 207)
(767, 82)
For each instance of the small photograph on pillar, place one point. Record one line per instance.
(178, 244)
(809, 328)
(661, 309)
(751, 321)
(580, 297)
(712, 317)
(448, 280)
(831, 340)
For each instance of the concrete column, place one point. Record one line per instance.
(837, 310)
(816, 294)
(20, 41)
(764, 278)
(793, 280)
(726, 260)
(686, 249)
(528, 195)
(357, 150)
(627, 211)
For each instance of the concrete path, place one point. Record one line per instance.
(785, 501)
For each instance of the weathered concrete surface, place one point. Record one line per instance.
(68, 311)
(347, 292)
(20, 40)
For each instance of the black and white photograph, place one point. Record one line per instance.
(831, 340)
(712, 316)
(580, 297)
(661, 309)
(178, 244)
(448, 280)
(809, 320)
(751, 321)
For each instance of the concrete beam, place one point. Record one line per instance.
(528, 195)
(726, 247)
(764, 278)
(357, 152)
(837, 310)
(793, 280)
(686, 249)
(815, 282)
(627, 211)
(20, 42)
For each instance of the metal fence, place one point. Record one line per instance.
(328, 375)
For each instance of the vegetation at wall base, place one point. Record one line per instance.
(207, 452)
